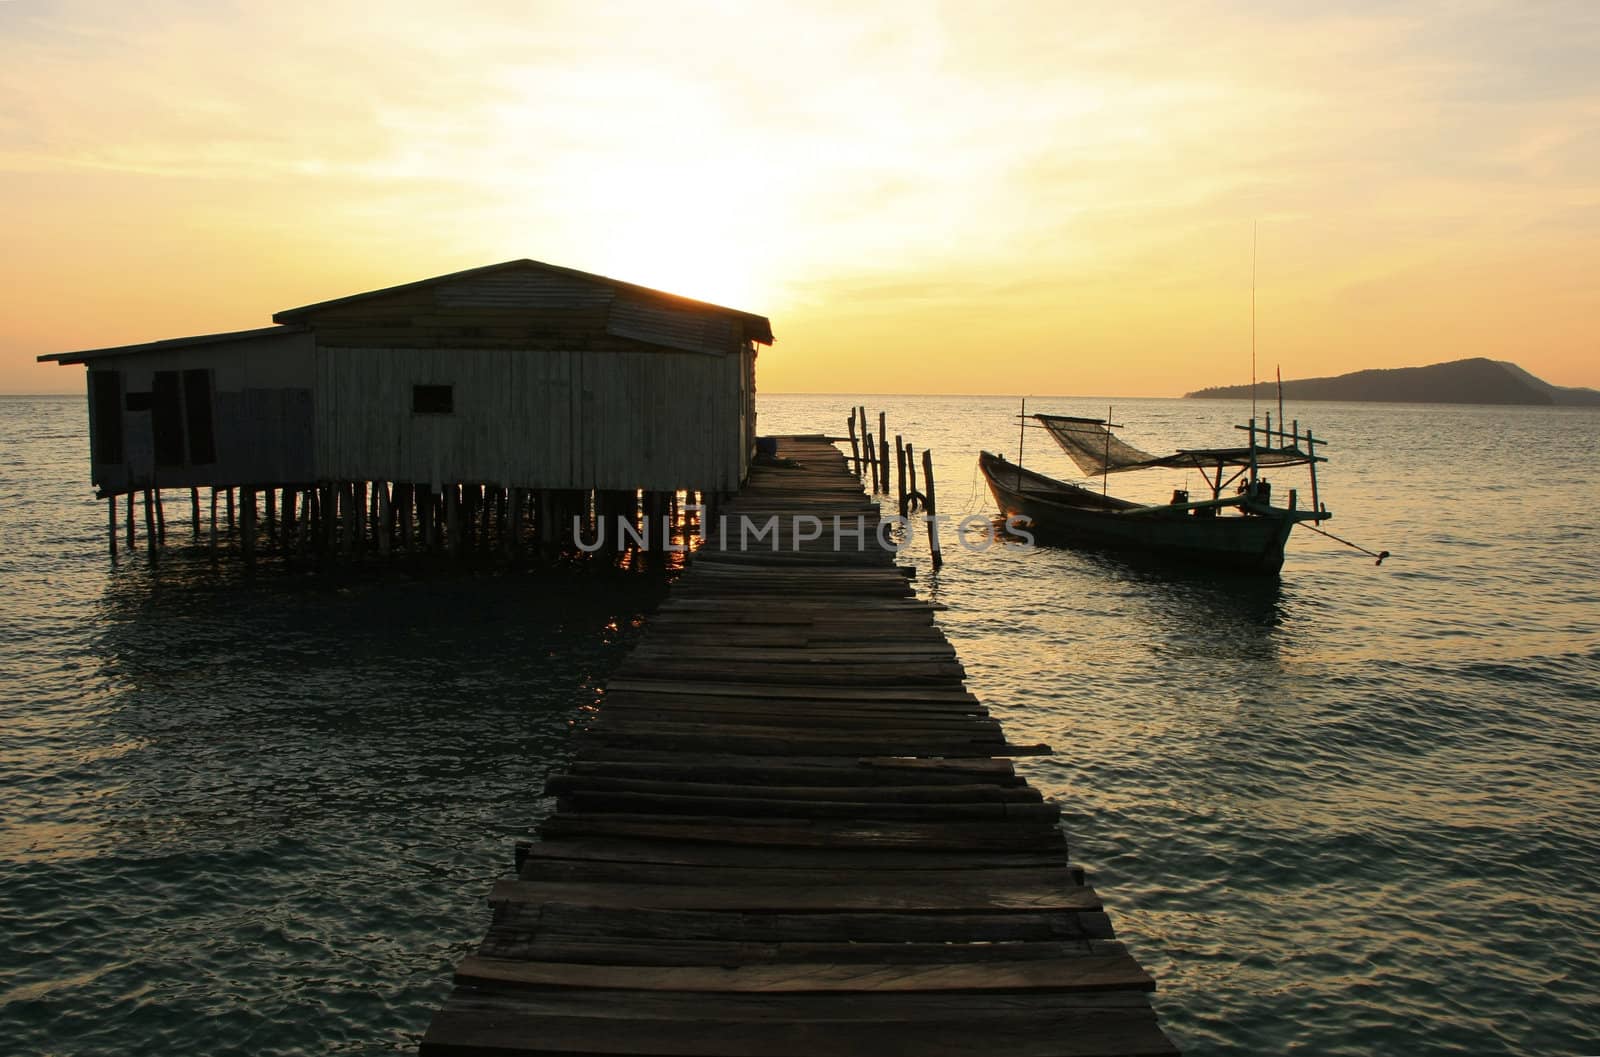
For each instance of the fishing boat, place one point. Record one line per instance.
(1238, 527)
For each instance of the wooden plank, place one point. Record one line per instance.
(778, 744)
(771, 808)
(1092, 970)
(797, 770)
(571, 871)
(902, 794)
(479, 1024)
(946, 836)
(765, 702)
(847, 862)
(806, 692)
(522, 922)
(544, 947)
(952, 895)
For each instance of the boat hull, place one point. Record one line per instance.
(1067, 515)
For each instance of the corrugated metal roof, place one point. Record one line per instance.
(756, 328)
(693, 331)
(170, 343)
(522, 289)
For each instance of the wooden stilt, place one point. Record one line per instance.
(247, 525)
(872, 462)
(270, 498)
(358, 505)
(900, 472)
(545, 518)
(883, 449)
(230, 510)
(194, 509)
(511, 521)
(403, 498)
(490, 501)
(151, 539)
(131, 540)
(312, 516)
(328, 509)
(381, 524)
(290, 524)
(452, 518)
(855, 445)
(111, 521)
(349, 517)
(213, 521)
(932, 509)
(161, 518)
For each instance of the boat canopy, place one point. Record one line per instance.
(1091, 444)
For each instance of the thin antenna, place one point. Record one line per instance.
(1280, 402)
(1253, 225)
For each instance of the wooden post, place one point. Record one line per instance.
(855, 446)
(358, 492)
(131, 539)
(452, 518)
(328, 506)
(932, 509)
(491, 500)
(511, 522)
(311, 519)
(286, 533)
(348, 516)
(866, 437)
(1311, 452)
(270, 496)
(380, 495)
(161, 518)
(247, 524)
(546, 518)
(194, 509)
(404, 500)
(111, 520)
(911, 467)
(213, 520)
(872, 461)
(900, 471)
(883, 449)
(230, 509)
(150, 536)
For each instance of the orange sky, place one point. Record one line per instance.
(1009, 198)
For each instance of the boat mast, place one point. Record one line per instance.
(1105, 469)
(1022, 430)
(1253, 225)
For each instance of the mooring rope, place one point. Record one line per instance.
(1380, 555)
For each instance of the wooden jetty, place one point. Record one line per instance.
(790, 830)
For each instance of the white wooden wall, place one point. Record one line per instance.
(659, 419)
(261, 391)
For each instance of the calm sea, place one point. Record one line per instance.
(1350, 811)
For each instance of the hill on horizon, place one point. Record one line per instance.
(1473, 381)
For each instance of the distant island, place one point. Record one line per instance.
(1474, 381)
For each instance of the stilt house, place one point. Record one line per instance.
(519, 375)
